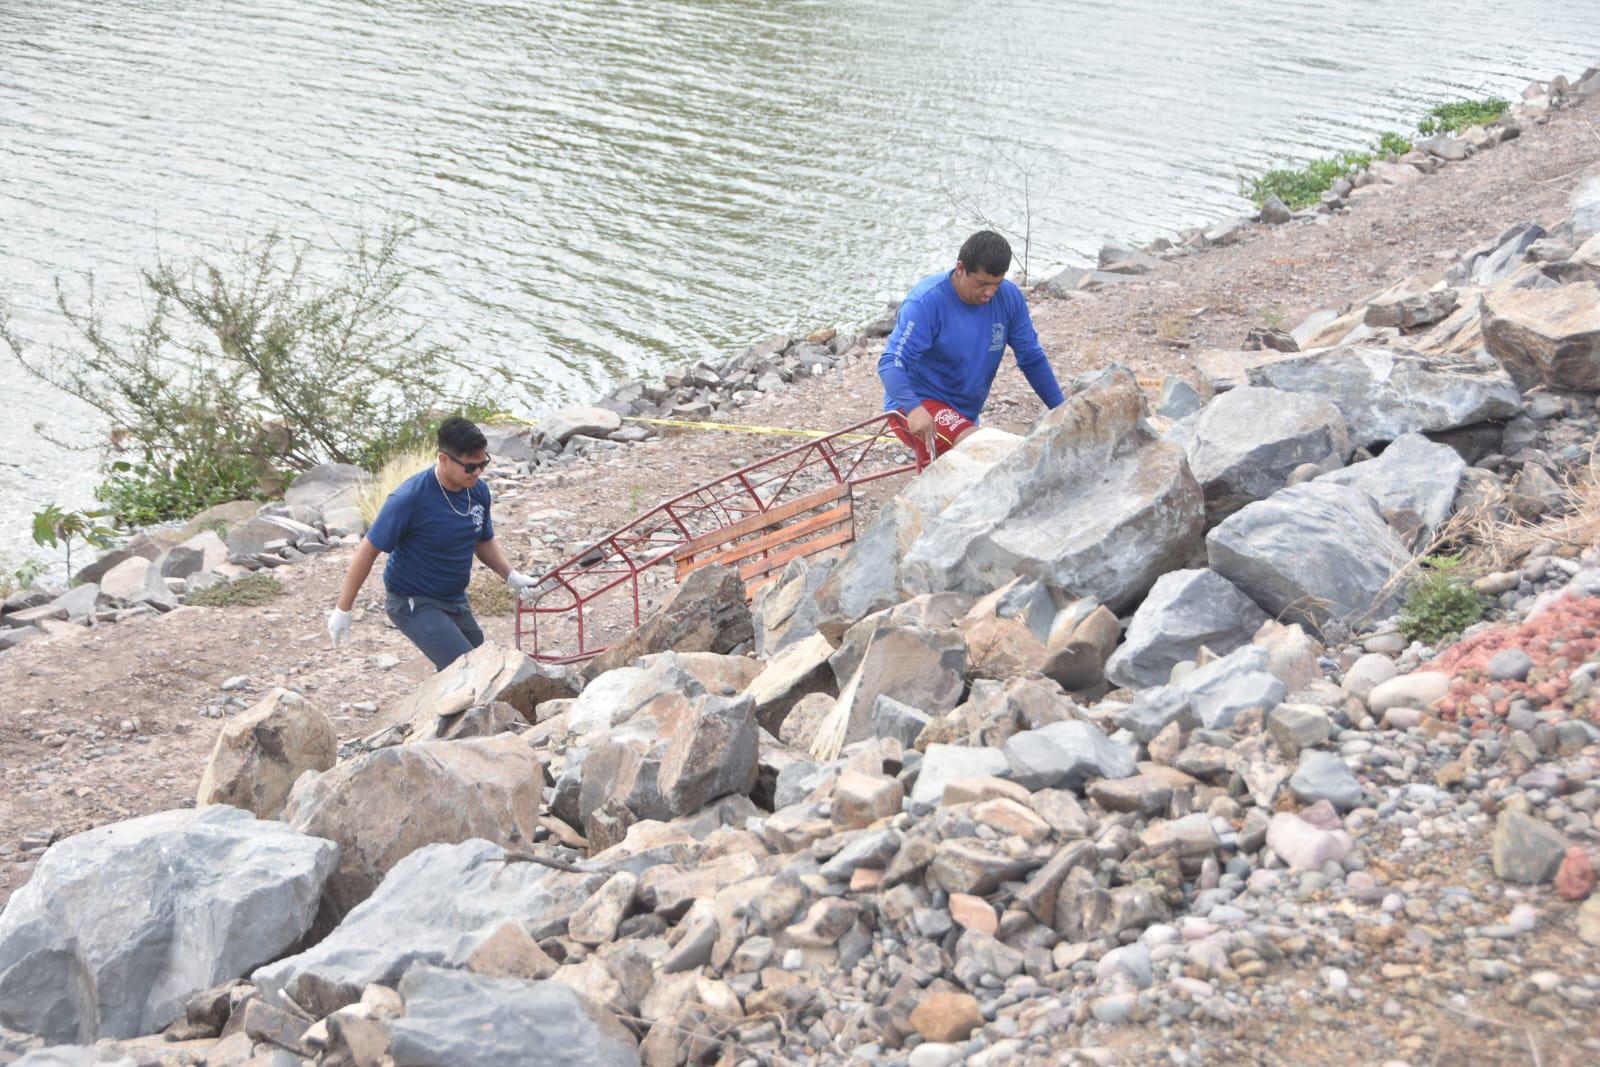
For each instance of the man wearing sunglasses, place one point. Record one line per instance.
(433, 526)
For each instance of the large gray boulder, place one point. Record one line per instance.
(616, 696)
(437, 906)
(1247, 441)
(1550, 336)
(1386, 392)
(1314, 552)
(455, 1018)
(121, 924)
(1091, 501)
(269, 533)
(674, 756)
(868, 578)
(562, 425)
(916, 666)
(1186, 610)
(327, 487)
(1414, 475)
(489, 673)
(1223, 688)
(383, 806)
(784, 612)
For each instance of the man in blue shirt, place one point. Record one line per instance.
(433, 526)
(949, 336)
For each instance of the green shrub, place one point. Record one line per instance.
(251, 591)
(1459, 114)
(1305, 186)
(1391, 144)
(150, 491)
(1441, 604)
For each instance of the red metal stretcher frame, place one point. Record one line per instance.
(654, 538)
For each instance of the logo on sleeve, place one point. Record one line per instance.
(477, 517)
(997, 337)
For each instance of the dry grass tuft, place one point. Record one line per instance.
(1493, 543)
(489, 594)
(387, 480)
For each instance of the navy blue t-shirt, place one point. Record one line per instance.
(431, 535)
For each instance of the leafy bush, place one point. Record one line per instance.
(248, 369)
(151, 491)
(1441, 604)
(251, 591)
(1459, 114)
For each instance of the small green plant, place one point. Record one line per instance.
(251, 591)
(1272, 315)
(1459, 114)
(1391, 144)
(54, 527)
(1441, 604)
(13, 578)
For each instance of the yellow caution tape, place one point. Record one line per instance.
(776, 431)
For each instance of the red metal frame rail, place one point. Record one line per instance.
(855, 455)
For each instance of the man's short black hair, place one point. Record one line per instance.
(986, 251)
(460, 437)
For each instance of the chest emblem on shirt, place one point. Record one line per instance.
(997, 337)
(477, 517)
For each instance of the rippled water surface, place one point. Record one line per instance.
(611, 187)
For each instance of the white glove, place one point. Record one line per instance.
(338, 626)
(523, 586)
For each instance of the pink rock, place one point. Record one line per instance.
(1323, 816)
(1575, 879)
(1303, 845)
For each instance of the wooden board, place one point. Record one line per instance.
(767, 542)
(765, 519)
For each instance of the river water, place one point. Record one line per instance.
(613, 187)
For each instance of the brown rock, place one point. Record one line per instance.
(708, 613)
(947, 1017)
(1547, 335)
(798, 671)
(259, 755)
(983, 787)
(973, 913)
(1010, 817)
(1077, 659)
(510, 952)
(447, 791)
(861, 799)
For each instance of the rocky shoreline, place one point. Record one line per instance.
(1100, 745)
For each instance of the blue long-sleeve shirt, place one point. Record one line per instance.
(945, 349)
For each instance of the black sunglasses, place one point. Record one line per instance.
(470, 468)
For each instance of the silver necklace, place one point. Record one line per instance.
(448, 504)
